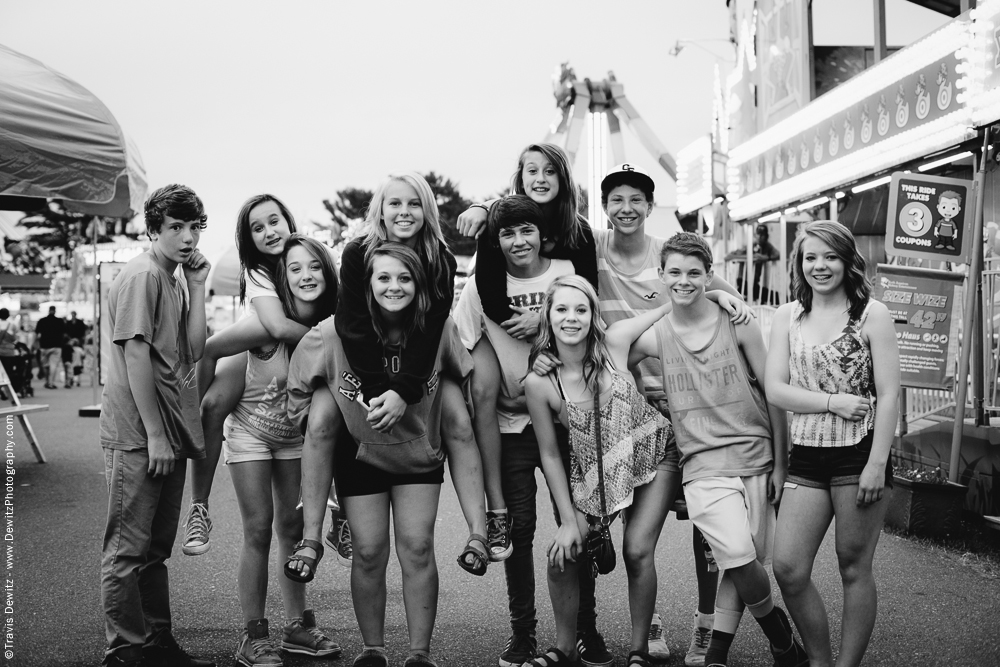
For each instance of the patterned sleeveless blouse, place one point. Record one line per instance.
(635, 437)
(841, 367)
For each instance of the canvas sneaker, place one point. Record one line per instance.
(302, 636)
(197, 527)
(592, 649)
(521, 648)
(658, 648)
(701, 635)
(338, 538)
(498, 533)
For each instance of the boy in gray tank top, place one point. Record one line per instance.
(733, 445)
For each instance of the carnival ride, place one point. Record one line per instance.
(590, 105)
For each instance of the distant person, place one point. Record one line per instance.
(75, 327)
(51, 332)
(67, 361)
(149, 425)
(763, 252)
(9, 356)
(833, 350)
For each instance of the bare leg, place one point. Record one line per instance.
(317, 465)
(252, 481)
(285, 480)
(857, 533)
(802, 522)
(219, 400)
(370, 517)
(414, 508)
(642, 530)
(464, 461)
(486, 380)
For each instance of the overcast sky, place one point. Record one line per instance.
(301, 99)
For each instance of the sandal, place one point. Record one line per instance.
(480, 557)
(639, 659)
(308, 561)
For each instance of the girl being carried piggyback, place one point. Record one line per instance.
(378, 470)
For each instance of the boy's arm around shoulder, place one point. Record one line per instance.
(646, 345)
(751, 342)
(623, 333)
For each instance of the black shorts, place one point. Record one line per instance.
(823, 467)
(356, 478)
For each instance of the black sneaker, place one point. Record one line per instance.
(592, 649)
(520, 649)
(129, 656)
(498, 532)
(794, 655)
(163, 651)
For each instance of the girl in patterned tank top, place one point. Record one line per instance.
(832, 352)
(633, 449)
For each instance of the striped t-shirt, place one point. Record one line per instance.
(627, 294)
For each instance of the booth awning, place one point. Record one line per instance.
(14, 283)
(58, 141)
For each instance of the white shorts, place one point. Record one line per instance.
(735, 517)
(241, 445)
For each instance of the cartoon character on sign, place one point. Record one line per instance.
(948, 207)
(804, 155)
(817, 149)
(944, 88)
(883, 116)
(902, 108)
(779, 165)
(768, 170)
(866, 125)
(848, 132)
(792, 165)
(923, 98)
(834, 146)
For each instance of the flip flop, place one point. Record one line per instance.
(480, 557)
(309, 561)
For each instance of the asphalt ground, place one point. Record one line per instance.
(935, 607)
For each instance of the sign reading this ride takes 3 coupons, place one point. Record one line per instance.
(929, 217)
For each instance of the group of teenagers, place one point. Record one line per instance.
(617, 363)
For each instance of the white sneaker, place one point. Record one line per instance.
(658, 648)
(198, 525)
(701, 635)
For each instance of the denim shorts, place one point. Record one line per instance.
(823, 467)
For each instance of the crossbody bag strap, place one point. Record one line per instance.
(600, 453)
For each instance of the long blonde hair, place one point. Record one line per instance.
(430, 244)
(416, 311)
(596, 357)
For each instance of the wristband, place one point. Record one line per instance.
(482, 206)
(828, 402)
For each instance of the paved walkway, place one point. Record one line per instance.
(935, 609)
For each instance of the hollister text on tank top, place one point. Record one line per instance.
(841, 367)
(718, 412)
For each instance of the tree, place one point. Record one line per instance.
(451, 204)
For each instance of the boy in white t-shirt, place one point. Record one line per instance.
(517, 225)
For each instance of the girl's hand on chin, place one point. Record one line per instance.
(386, 410)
